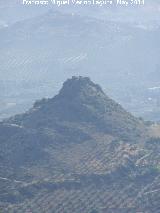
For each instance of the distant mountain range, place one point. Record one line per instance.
(35, 50)
(12, 11)
(79, 151)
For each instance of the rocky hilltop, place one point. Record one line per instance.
(82, 102)
(79, 151)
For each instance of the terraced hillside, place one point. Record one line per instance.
(78, 152)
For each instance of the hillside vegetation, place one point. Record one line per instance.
(79, 151)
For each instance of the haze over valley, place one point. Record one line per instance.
(55, 43)
(80, 108)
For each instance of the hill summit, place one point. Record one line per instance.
(78, 85)
(82, 102)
